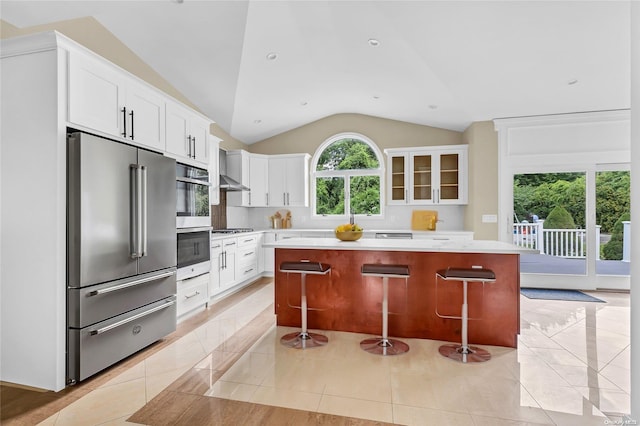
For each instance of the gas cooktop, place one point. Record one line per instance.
(231, 230)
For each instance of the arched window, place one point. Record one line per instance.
(347, 177)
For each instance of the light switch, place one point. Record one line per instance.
(489, 218)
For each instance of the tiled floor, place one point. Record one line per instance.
(571, 368)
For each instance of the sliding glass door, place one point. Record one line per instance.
(576, 227)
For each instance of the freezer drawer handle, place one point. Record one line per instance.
(133, 318)
(131, 284)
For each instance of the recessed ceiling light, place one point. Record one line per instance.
(374, 42)
(433, 106)
(257, 121)
(272, 56)
(304, 103)
(572, 81)
(376, 97)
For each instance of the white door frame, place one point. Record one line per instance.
(587, 142)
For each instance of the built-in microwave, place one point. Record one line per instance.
(192, 197)
(194, 250)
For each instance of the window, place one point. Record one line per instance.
(347, 177)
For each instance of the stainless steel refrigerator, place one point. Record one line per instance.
(121, 251)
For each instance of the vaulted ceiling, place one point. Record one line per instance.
(259, 68)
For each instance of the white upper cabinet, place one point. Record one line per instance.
(289, 180)
(103, 98)
(187, 134)
(214, 170)
(258, 180)
(251, 170)
(428, 175)
(145, 116)
(96, 95)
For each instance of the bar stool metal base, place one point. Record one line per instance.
(379, 346)
(304, 340)
(471, 354)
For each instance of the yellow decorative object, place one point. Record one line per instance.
(348, 232)
(424, 220)
(348, 235)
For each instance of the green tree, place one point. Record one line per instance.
(559, 218)
(613, 249)
(364, 191)
(612, 193)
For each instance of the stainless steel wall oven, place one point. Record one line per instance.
(192, 197)
(193, 252)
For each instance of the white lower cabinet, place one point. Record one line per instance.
(192, 294)
(268, 253)
(228, 263)
(247, 257)
(216, 261)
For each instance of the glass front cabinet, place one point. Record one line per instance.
(427, 175)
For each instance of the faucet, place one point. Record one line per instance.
(351, 219)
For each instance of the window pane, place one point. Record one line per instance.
(365, 195)
(549, 217)
(613, 220)
(347, 154)
(330, 195)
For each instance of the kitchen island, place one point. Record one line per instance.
(346, 301)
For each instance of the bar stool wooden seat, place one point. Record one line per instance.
(303, 339)
(463, 352)
(383, 345)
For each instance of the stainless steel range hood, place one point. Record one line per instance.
(227, 183)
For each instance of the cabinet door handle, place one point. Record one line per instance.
(267, 198)
(124, 121)
(438, 195)
(406, 196)
(194, 294)
(193, 140)
(288, 199)
(284, 198)
(249, 197)
(131, 114)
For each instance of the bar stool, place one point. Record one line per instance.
(384, 345)
(303, 339)
(464, 352)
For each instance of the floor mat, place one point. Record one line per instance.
(552, 294)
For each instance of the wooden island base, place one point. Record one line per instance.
(346, 301)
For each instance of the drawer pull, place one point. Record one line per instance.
(248, 240)
(131, 284)
(249, 254)
(248, 270)
(229, 244)
(194, 294)
(218, 246)
(133, 318)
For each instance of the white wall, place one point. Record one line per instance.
(451, 218)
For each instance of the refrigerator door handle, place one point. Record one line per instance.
(138, 222)
(144, 213)
(133, 211)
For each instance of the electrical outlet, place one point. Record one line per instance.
(489, 218)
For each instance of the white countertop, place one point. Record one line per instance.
(424, 245)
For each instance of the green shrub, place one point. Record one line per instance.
(613, 249)
(559, 218)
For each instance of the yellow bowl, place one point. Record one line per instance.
(348, 235)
